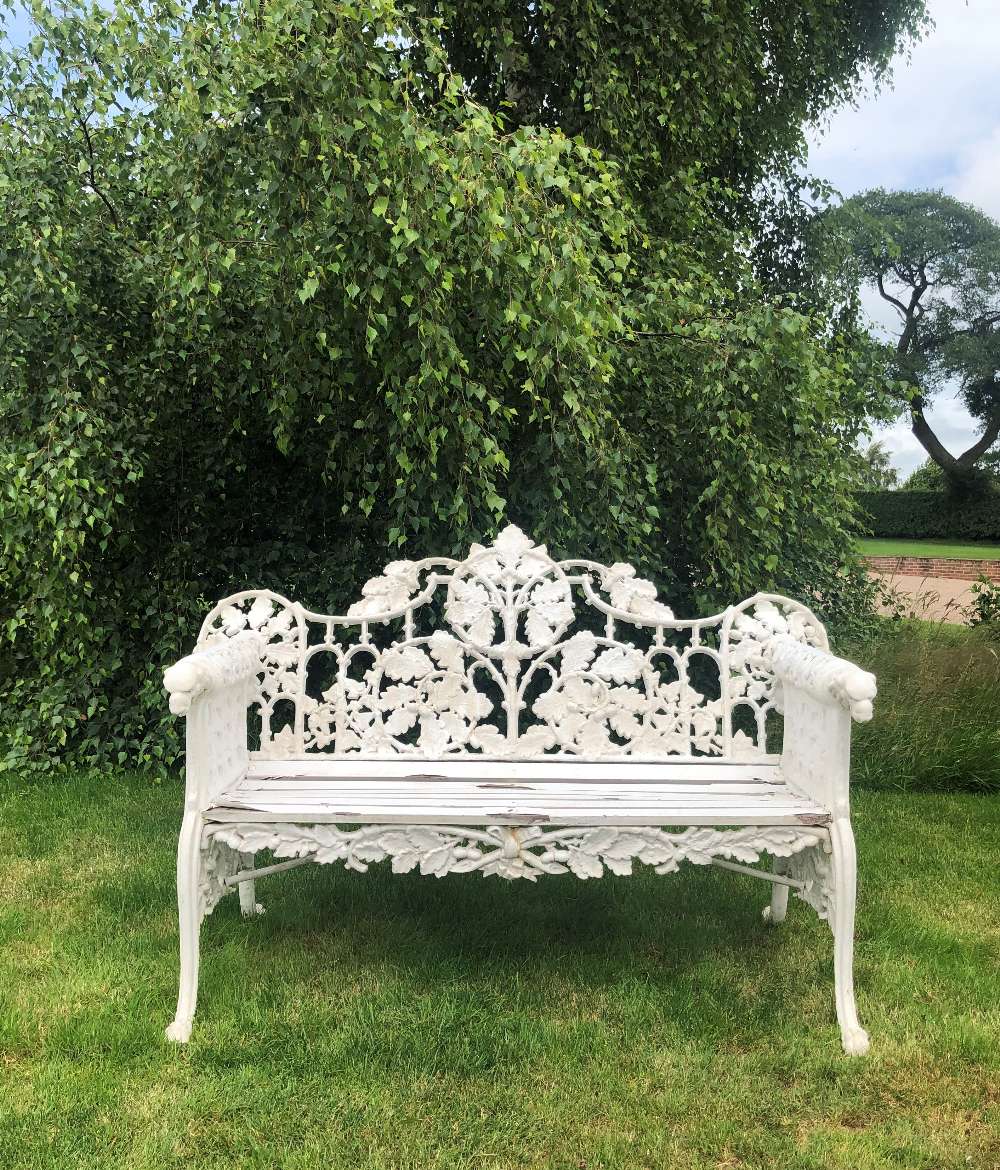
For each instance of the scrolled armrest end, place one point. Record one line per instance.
(825, 677)
(860, 690)
(232, 661)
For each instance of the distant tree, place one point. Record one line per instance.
(875, 468)
(928, 477)
(937, 262)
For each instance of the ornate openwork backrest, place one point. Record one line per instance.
(509, 653)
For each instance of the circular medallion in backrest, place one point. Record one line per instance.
(510, 600)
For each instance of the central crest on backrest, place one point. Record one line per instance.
(510, 600)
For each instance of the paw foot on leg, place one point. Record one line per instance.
(179, 1032)
(774, 912)
(855, 1040)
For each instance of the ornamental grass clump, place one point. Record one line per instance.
(937, 716)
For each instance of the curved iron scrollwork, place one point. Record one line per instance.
(518, 669)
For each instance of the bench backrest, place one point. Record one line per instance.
(510, 654)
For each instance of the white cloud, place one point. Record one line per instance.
(937, 126)
(940, 113)
(978, 178)
(883, 319)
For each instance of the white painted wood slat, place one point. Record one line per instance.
(548, 802)
(470, 767)
(283, 790)
(421, 816)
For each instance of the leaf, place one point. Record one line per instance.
(308, 289)
(537, 628)
(488, 739)
(400, 720)
(584, 865)
(446, 650)
(406, 663)
(619, 664)
(260, 611)
(578, 652)
(434, 738)
(233, 620)
(536, 740)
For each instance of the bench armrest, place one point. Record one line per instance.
(238, 659)
(819, 694)
(825, 677)
(212, 688)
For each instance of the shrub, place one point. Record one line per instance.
(929, 477)
(930, 515)
(984, 611)
(278, 295)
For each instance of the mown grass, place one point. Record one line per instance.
(874, 547)
(381, 1021)
(937, 716)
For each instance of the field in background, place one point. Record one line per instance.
(927, 548)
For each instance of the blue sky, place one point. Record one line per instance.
(937, 126)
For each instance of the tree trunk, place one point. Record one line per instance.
(962, 475)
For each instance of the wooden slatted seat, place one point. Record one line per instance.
(737, 794)
(559, 720)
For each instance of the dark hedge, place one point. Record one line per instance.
(930, 515)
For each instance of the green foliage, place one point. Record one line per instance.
(705, 98)
(935, 725)
(936, 261)
(984, 610)
(928, 477)
(279, 295)
(930, 515)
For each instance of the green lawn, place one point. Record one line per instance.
(381, 1021)
(929, 548)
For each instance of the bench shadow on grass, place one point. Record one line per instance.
(411, 972)
(684, 952)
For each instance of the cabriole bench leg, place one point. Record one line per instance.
(249, 906)
(845, 870)
(778, 906)
(189, 922)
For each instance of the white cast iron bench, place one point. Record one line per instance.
(514, 715)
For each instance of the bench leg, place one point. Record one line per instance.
(189, 919)
(775, 911)
(845, 869)
(249, 906)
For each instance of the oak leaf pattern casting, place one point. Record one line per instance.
(509, 675)
(508, 852)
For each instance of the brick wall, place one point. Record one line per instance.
(963, 570)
